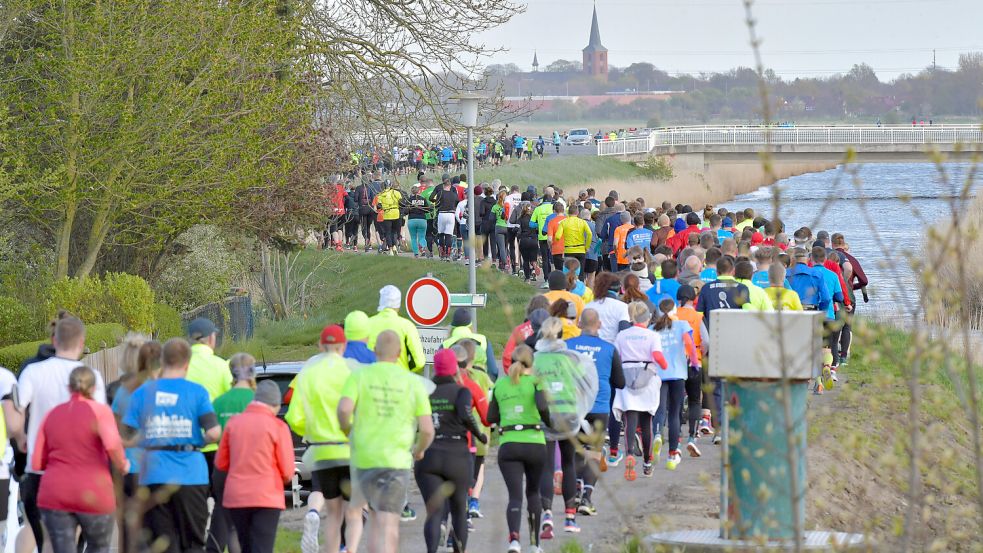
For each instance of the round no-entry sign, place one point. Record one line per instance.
(428, 301)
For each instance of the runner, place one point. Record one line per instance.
(356, 338)
(610, 377)
(523, 331)
(445, 200)
(696, 381)
(11, 431)
(613, 312)
(461, 330)
(680, 352)
(445, 471)
(386, 412)
(528, 242)
(478, 383)
(313, 415)
(637, 402)
(519, 410)
(257, 453)
(538, 221)
(781, 296)
(411, 354)
(171, 418)
(417, 208)
(74, 446)
(557, 282)
(571, 383)
(41, 387)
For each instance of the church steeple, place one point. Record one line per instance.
(595, 54)
(535, 62)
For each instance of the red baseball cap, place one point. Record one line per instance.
(333, 334)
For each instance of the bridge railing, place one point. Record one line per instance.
(809, 135)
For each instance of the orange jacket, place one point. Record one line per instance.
(695, 320)
(258, 453)
(556, 247)
(620, 235)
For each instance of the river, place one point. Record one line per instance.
(887, 212)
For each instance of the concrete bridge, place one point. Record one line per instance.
(889, 143)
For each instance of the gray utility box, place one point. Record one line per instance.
(746, 344)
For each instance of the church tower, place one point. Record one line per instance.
(595, 54)
(535, 62)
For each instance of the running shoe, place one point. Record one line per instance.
(470, 526)
(603, 463)
(586, 508)
(630, 474)
(674, 460)
(832, 371)
(544, 286)
(705, 428)
(515, 547)
(647, 470)
(474, 509)
(570, 525)
(312, 525)
(827, 378)
(716, 440)
(546, 528)
(818, 388)
(692, 449)
(408, 514)
(637, 447)
(615, 460)
(535, 549)
(558, 482)
(656, 446)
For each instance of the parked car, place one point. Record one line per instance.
(283, 374)
(578, 137)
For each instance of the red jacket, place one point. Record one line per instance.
(518, 336)
(679, 241)
(76, 441)
(258, 453)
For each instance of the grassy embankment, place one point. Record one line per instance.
(352, 281)
(569, 172)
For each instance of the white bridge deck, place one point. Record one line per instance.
(839, 138)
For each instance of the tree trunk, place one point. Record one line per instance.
(268, 283)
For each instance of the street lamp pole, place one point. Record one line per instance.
(469, 118)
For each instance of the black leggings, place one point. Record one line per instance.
(256, 528)
(694, 393)
(441, 465)
(846, 337)
(833, 329)
(547, 256)
(568, 463)
(632, 420)
(516, 460)
(528, 249)
(390, 233)
(672, 399)
(589, 471)
(366, 222)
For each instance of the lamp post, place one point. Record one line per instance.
(468, 103)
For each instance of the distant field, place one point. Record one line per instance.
(546, 128)
(568, 171)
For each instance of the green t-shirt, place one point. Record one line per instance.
(388, 399)
(517, 405)
(232, 403)
(499, 212)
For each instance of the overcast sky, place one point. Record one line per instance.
(801, 37)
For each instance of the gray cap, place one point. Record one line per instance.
(200, 328)
(269, 393)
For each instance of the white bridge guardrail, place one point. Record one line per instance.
(816, 135)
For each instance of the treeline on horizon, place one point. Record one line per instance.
(934, 93)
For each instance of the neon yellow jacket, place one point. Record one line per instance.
(313, 411)
(411, 356)
(459, 333)
(575, 233)
(212, 372)
(539, 216)
(758, 300)
(389, 202)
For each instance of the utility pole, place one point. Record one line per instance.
(933, 60)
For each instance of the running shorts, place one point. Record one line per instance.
(445, 225)
(4, 496)
(590, 266)
(333, 482)
(383, 489)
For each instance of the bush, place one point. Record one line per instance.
(211, 264)
(658, 168)
(11, 357)
(167, 322)
(118, 298)
(131, 299)
(16, 323)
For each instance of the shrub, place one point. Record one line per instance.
(83, 297)
(167, 322)
(16, 323)
(209, 265)
(131, 299)
(11, 357)
(658, 168)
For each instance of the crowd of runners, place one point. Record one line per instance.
(608, 364)
(491, 151)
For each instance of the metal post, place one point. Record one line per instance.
(472, 227)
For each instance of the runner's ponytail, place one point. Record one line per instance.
(663, 321)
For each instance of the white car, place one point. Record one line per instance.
(579, 137)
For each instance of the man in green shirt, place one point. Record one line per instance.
(211, 372)
(392, 426)
(538, 221)
(313, 414)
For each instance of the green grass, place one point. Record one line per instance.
(568, 172)
(352, 281)
(287, 541)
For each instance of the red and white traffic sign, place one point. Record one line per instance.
(427, 301)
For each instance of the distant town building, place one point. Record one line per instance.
(595, 54)
(535, 62)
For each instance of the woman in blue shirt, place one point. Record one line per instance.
(680, 353)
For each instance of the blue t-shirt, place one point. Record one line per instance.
(168, 412)
(835, 290)
(709, 274)
(723, 235)
(360, 352)
(663, 288)
(674, 350)
(602, 353)
(760, 279)
(120, 404)
(639, 237)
